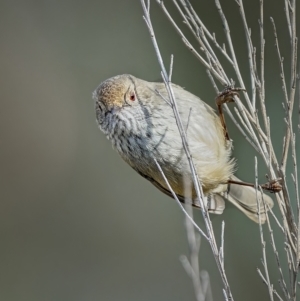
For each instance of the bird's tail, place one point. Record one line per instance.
(244, 198)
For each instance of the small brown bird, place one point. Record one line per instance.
(137, 117)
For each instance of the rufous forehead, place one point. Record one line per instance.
(111, 92)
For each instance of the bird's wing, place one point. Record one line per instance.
(216, 204)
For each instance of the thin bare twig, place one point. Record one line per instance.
(196, 181)
(263, 243)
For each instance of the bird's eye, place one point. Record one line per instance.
(132, 96)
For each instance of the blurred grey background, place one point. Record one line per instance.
(77, 223)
